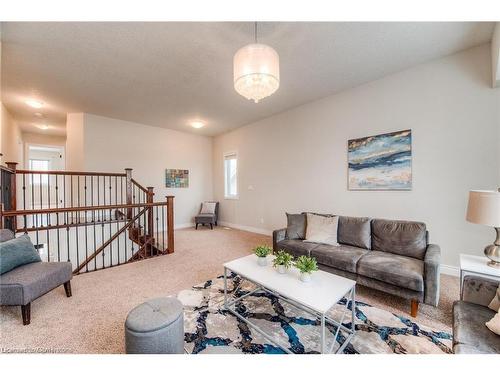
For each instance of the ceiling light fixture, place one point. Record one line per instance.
(34, 103)
(43, 127)
(197, 124)
(256, 69)
(38, 114)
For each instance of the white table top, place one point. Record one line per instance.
(320, 294)
(477, 264)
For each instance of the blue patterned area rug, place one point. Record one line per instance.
(209, 328)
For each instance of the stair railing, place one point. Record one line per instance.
(95, 220)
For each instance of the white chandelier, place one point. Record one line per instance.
(256, 71)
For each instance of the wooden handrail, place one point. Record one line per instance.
(79, 209)
(106, 244)
(139, 185)
(70, 173)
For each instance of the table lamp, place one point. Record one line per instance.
(484, 208)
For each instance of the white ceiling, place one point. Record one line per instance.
(166, 74)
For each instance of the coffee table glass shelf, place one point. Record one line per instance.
(317, 297)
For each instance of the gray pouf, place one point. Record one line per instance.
(155, 327)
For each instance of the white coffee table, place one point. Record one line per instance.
(317, 296)
(476, 265)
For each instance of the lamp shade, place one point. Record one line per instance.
(256, 71)
(484, 207)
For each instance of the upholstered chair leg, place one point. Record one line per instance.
(196, 226)
(211, 226)
(26, 313)
(414, 308)
(67, 288)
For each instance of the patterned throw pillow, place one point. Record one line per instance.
(495, 302)
(208, 208)
(322, 229)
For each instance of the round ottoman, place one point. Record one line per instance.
(155, 327)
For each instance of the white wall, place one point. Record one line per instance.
(112, 145)
(297, 160)
(75, 142)
(495, 53)
(11, 138)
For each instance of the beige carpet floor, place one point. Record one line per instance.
(92, 320)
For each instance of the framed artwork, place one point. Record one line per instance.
(380, 162)
(177, 178)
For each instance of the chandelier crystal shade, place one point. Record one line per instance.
(256, 71)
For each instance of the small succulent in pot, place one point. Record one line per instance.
(306, 265)
(262, 252)
(282, 261)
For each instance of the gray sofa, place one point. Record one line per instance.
(470, 334)
(388, 255)
(24, 284)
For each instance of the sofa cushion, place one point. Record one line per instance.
(393, 269)
(406, 238)
(342, 257)
(297, 247)
(6, 235)
(355, 231)
(16, 252)
(470, 331)
(296, 226)
(26, 283)
(322, 229)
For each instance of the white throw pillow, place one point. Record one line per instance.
(495, 302)
(494, 324)
(322, 229)
(208, 208)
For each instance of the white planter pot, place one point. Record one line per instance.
(262, 261)
(305, 277)
(281, 268)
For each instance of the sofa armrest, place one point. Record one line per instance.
(479, 290)
(278, 235)
(432, 267)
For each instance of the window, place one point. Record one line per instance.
(40, 165)
(230, 176)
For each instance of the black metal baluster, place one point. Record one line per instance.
(86, 227)
(95, 242)
(71, 196)
(78, 192)
(57, 220)
(110, 230)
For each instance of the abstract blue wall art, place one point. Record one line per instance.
(380, 162)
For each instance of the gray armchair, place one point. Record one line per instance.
(470, 334)
(208, 218)
(24, 284)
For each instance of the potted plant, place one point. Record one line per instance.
(282, 261)
(306, 265)
(262, 252)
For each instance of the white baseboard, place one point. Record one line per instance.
(445, 268)
(247, 228)
(450, 270)
(185, 225)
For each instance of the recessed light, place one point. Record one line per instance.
(43, 127)
(34, 103)
(197, 124)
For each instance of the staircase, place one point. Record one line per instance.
(94, 220)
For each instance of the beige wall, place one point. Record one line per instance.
(75, 142)
(297, 160)
(11, 138)
(112, 145)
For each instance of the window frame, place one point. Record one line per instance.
(233, 155)
(43, 179)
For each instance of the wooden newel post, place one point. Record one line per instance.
(170, 224)
(149, 198)
(128, 186)
(13, 189)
